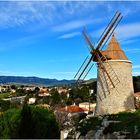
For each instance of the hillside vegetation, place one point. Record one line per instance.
(122, 125)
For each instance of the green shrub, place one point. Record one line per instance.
(88, 124)
(9, 123)
(128, 122)
(4, 105)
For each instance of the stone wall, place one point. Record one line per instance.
(120, 98)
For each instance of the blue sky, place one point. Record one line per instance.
(44, 38)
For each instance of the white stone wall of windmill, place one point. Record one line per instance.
(114, 72)
(121, 98)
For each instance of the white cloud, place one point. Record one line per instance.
(76, 24)
(133, 50)
(125, 34)
(69, 35)
(136, 67)
(136, 73)
(15, 73)
(19, 13)
(127, 31)
(128, 41)
(6, 72)
(73, 25)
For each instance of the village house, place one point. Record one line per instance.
(62, 90)
(72, 110)
(44, 92)
(4, 88)
(88, 106)
(65, 115)
(31, 88)
(32, 100)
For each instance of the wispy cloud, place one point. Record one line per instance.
(130, 30)
(17, 73)
(19, 13)
(73, 25)
(6, 72)
(136, 67)
(123, 32)
(132, 50)
(136, 73)
(69, 35)
(128, 41)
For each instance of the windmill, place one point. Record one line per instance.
(113, 95)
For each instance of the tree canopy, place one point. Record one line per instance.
(28, 122)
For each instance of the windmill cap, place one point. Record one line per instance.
(114, 50)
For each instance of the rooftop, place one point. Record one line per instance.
(114, 50)
(137, 93)
(72, 109)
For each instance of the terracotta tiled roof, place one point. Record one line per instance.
(72, 109)
(137, 94)
(114, 50)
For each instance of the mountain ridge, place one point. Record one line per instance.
(33, 80)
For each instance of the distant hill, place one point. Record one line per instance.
(52, 82)
(90, 81)
(33, 81)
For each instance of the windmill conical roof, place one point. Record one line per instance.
(114, 50)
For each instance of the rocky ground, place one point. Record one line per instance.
(120, 126)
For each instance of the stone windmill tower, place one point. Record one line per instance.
(120, 98)
(114, 76)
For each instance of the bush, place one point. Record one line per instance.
(88, 124)
(128, 122)
(9, 123)
(4, 105)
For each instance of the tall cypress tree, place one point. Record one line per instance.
(26, 124)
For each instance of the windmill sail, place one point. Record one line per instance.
(109, 75)
(113, 68)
